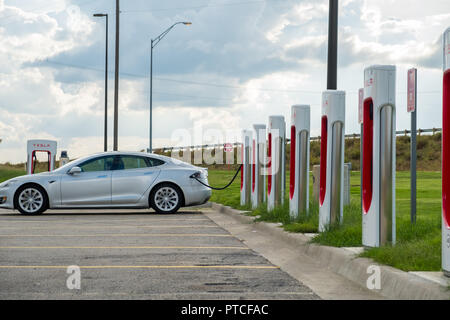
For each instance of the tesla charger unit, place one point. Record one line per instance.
(276, 161)
(331, 197)
(299, 163)
(245, 171)
(35, 146)
(378, 182)
(257, 158)
(446, 158)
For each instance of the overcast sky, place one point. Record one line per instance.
(238, 63)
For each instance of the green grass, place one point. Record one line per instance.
(230, 196)
(7, 172)
(418, 246)
(345, 234)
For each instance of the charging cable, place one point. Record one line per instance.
(195, 176)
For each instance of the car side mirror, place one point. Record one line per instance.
(74, 170)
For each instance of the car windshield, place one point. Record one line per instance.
(70, 163)
(64, 166)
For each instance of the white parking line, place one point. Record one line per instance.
(121, 247)
(116, 235)
(114, 227)
(101, 221)
(147, 267)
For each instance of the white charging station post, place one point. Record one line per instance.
(331, 194)
(35, 146)
(378, 183)
(446, 157)
(246, 168)
(276, 152)
(299, 162)
(257, 158)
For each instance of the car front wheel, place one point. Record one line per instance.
(31, 199)
(166, 198)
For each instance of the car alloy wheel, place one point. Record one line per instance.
(166, 199)
(31, 200)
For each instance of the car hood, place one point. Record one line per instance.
(33, 176)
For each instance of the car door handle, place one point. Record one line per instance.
(102, 176)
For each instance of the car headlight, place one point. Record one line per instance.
(7, 183)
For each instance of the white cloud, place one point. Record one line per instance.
(248, 47)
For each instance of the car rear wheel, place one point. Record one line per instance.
(166, 198)
(31, 200)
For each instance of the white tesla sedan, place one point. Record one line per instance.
(109, 180)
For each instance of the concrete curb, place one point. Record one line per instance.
(395, 284)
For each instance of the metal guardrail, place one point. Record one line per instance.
(238, 144)
(398, 133)
(197, 147)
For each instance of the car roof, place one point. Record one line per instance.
(124, 153)
(128, 153)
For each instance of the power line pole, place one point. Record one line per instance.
(332, 45)
(150, 148)
(105, 147)
(116, 80)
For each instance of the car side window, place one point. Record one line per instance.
(155, 162)
(132, 162)
(97, 164)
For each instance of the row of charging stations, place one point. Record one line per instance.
(378, 181)
(446, 156)
(259, 162)
(378, 154)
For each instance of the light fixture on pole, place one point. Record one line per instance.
(153, 44)
(98, 15)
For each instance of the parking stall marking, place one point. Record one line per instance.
(115, 227)
(122, 247)
(132, 254)
(147, 267)
(90, 220)
(116, 235)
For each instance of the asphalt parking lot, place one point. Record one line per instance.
(133, 254)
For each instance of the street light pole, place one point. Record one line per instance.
(105, 147)
(116, 80)
(153, 43)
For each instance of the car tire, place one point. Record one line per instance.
(31, 200)
(166, 198)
